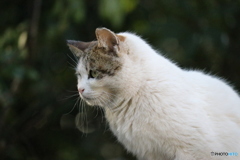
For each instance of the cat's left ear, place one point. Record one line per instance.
(107, 39)
(77, 47)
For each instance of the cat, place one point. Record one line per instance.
(157, 110)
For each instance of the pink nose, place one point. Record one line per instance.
(80, 90)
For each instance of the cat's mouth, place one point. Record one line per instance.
(98, 99)
(89, 100)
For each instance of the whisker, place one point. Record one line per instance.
(71, 96)
(76, 58)
(79, 110)
(101, 110)
(96, 109)
(72, 66)
(84, 120)
(73, 107)
(80, 122)
(75, 61)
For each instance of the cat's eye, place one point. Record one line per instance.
(93, 74)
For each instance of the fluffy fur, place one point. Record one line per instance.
(157, 110)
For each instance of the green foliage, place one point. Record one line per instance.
(37, 82)
(116, 10)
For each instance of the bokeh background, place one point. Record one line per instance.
(40, 116)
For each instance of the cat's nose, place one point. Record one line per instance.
(81, 90)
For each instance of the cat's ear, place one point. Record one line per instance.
(77, 47)
(107, 39)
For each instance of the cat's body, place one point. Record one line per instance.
(157, 110)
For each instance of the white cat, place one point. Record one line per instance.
(157, 110)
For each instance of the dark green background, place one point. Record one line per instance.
(37, 82)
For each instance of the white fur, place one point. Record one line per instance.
(162, 112)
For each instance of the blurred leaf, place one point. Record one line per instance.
(115, 10)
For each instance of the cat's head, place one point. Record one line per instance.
(102, 72)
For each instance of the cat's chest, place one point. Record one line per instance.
(129, 132)
(135, 130)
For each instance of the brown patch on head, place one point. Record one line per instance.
(104, 62)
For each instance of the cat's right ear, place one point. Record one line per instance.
(77, 47)
(107, 39)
